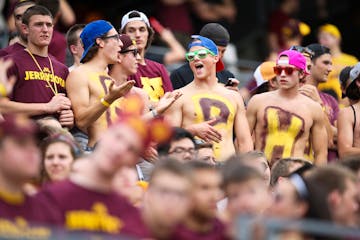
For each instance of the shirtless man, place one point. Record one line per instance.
(284, 120)
(207, 109)
(92, 91)
(348, 119)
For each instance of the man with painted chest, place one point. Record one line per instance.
(207, 109)
(283, 121)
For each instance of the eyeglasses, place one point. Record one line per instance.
(180, 150)
(288, 70)
(133, 51)
(202, 53)
(115, 36)
(307, 52)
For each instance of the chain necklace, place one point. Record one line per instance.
(53, 88)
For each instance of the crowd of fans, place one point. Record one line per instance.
(115, 145)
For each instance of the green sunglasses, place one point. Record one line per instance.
(202, 53)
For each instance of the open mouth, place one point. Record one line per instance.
(199, 65)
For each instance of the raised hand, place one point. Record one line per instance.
(7, 83)
(166, 101)
(118, 91)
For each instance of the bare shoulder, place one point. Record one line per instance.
(346, 114)
(261, 98)
(311, 104)
(77, 74)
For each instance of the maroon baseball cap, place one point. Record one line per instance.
(16, 125)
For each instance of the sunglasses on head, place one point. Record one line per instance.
(202, 53)
(307, 52)
(288, 70)
(133, 51)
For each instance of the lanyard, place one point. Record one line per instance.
(53, 88)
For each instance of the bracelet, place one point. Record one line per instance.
(104, 102)
(3, 92)
(154, 113)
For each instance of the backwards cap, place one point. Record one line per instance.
(127, 42)
(331, 29)
(352, 91)
(203, 42)
(91, 32)
(139, 16)
(216, 33)
(264, 72)
(295, 59)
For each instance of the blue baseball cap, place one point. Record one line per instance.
(92, 31)
(203, 42)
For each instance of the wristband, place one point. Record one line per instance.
(154, 113)
(104, 102)
(3, 92)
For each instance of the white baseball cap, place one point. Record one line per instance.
(139, 16)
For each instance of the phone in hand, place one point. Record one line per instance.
(156, 25)
(230, 82)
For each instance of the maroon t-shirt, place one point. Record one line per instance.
(217, 232)
(332, 109)
(58, 46)
(32, 84)
(153, 78)
(22, 219)
(11, 49)
(82, 209)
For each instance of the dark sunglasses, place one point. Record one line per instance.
(115, 36)
(288, 70)
(133, 51)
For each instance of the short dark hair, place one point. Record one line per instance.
(318, 50)
(177, 134)
(71, 38)
(91, 53)
(281, 168)
(351, 162)
(151, 31)
(171, 166)
(199, 165)
(35, 10)
(235, 172)
(23, 3)
(331, 177)
(203, 145)
(52, 5)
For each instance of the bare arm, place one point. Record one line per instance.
(345, 133)
(318, 134)
(164, 103)
(56, 104)
(177, 52)
(67, 16)
(85, 111)
(251, 113)
(174, 114)
(243, 137)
